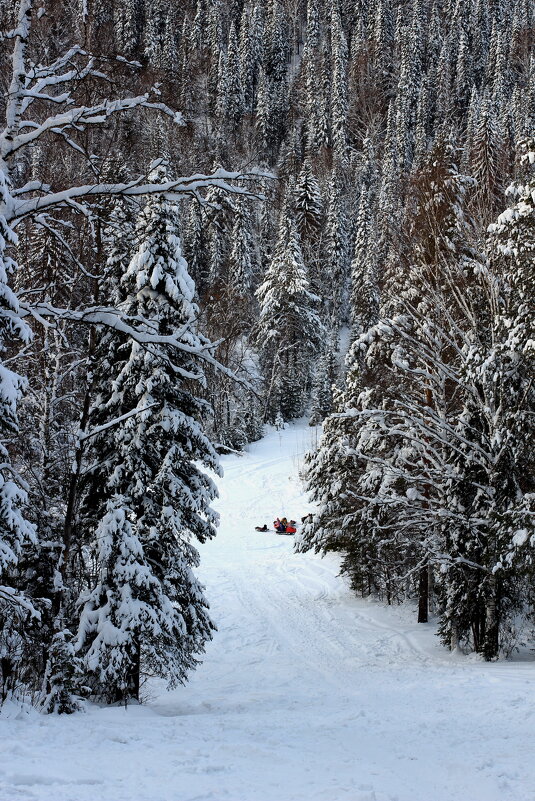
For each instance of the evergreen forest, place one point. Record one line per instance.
(217, 214)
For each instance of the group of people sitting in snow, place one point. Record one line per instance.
(281, 526)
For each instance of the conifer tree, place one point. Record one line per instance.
(248, 57)
(199, 25)
(421, 137)
(222, 102)
(510, 386)
(308, 205)
(128, 24)
(277, 45)
(463, 74)
(242, 257)
(480, 33)
(61, 685)
(382, 37)
(485, 159)
(156, 29)
(263, 117)
(15, 530)
(313, 27)
(336, 260)
(147, 446)
(364, 303)
(234, 85)
(126, 613)
(443, 82)
(340, 88)
(289, 329)
(291, 154)
(324, 379)
(194, 244)
(319, 95)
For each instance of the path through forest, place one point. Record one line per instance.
(305, 694)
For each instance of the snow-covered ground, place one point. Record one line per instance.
(305, 694)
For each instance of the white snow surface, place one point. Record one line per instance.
(306, 693)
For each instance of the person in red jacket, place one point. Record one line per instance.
(279, 526)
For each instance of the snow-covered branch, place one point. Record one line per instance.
(47, 314)
(85, 435)
(172, 190)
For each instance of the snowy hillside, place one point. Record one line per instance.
(306, 693)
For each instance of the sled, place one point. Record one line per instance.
(272, 531)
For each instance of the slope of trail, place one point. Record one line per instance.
(305, 694)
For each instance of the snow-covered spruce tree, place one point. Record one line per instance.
(242, 257)
(277, 46)
(336, 254)
(125, 611)
(150, 456)
(319, 95)
(61, 683)
(308, 210)
(365, 294)
(323, 382)
(15, 531)
(339, 103)
(264, 116)
(307, 204)
(234, 85)
(248, 56)
(289, 330)
(194, 245)
(291, 154)
(128, 25)
(342, 478)
(512, 254)
(485, 159)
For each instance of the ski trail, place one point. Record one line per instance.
(306, 693)
(297, 655)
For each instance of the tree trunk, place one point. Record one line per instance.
(478, 631)
(423, 594)
(135, 675)
(72, 501)
(491, 641)
(74, 483)
(431, 588)
(454, 635)
(423, 583)
(121, 693)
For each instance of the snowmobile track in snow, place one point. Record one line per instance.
(306, 693)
